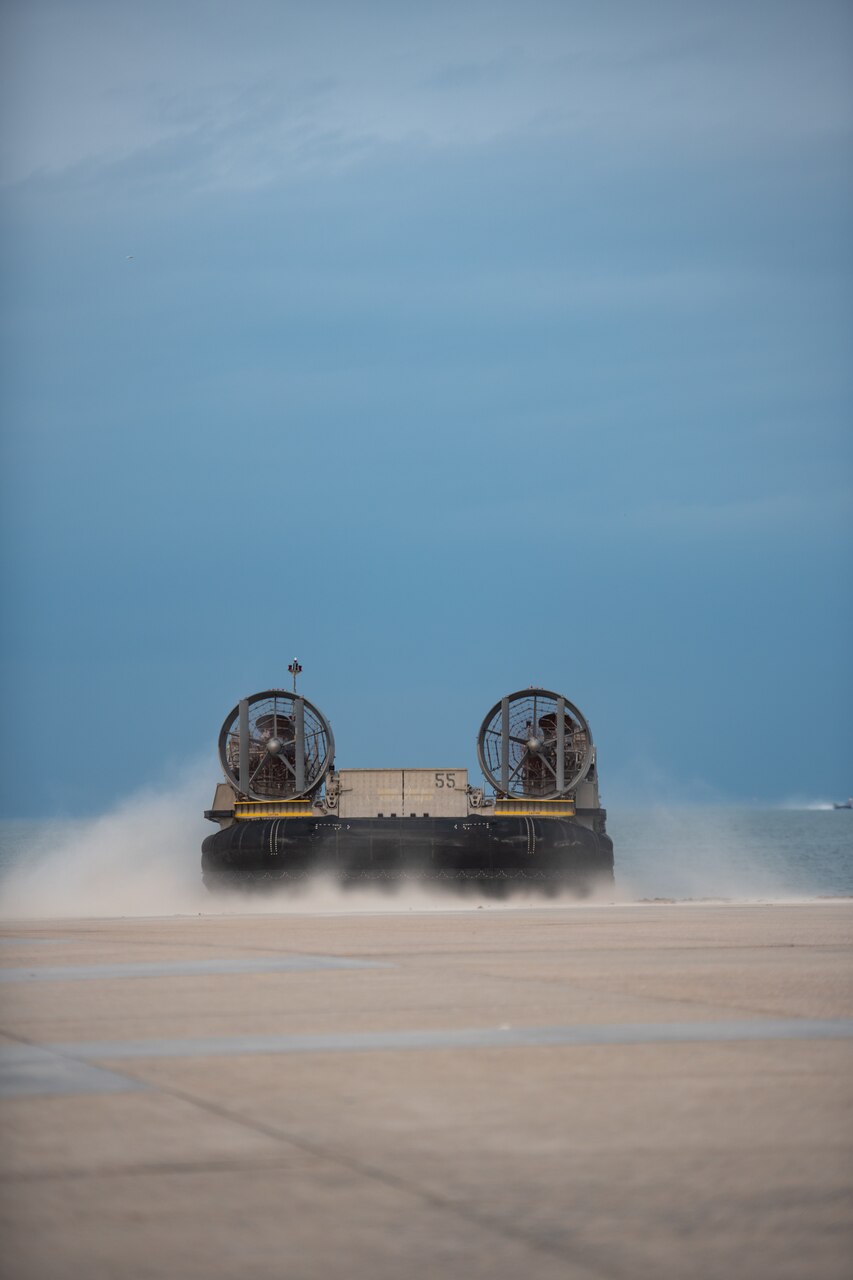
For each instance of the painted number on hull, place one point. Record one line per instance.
(445, 779)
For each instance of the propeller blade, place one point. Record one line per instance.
(266, 756)
(524, 757)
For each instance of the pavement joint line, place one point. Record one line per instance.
(625, 993)
(36, 1071)
(184, 968)
(466, 1213)
(40, 1070)
(148, 1170)
(27, 1052)
(577, 1035)
(8, 941)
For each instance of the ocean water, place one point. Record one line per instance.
(726, 852)
(143, 859)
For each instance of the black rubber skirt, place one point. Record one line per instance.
(486, 853)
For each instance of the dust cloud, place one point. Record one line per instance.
(140, 859)
(691, 853)
(143, 859)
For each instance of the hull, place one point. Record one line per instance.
(489, 853)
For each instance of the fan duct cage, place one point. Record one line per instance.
(535, 744)
(276, 746)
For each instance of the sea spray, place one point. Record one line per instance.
(727, 853)
(143, 859)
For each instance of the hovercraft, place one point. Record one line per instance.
(286, 813)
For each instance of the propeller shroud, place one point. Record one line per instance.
(276, 745)
(535, 745)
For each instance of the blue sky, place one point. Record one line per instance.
(460, 348)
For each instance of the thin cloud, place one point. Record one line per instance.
(736, 517)
(101, 86)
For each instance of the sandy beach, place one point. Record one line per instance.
(618, 1090)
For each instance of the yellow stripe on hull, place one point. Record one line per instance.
(534, 808)
(246, 810)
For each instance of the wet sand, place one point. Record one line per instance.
(608, 1091)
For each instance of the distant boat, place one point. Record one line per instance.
(848, 804)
